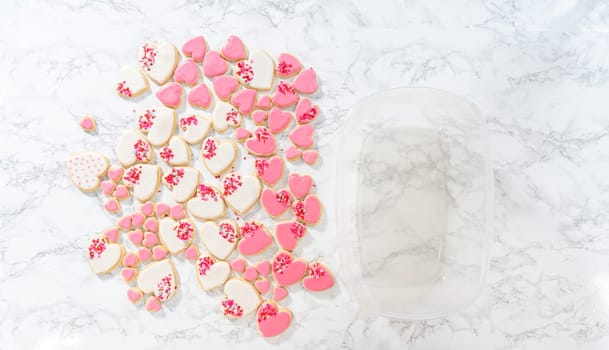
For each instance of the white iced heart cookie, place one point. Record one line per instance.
(241, 298)
(221, 238)
(158, 61)
(85, 169)
(144, 179)
(159, 278)
(176, 235)
(195, 128)
(131, 82)
(177, 152)
(218, 156)
(182, 182)
(132, 147)
(207, 204)
(211, 273)
(257, 72)
(241, 192)
(157, 123)
(225, 116)
(104, 257)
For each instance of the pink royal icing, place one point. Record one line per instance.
(150, 239)
(319, 278)
(162, 209)
(302, 136)
(170, 94)
(153, 304)
(112, 234)
(278, 120)
(195, 48)
(187, 72)
(214, 64)
(136, 236)
(144, 254)
(107, 187)
(199, 96)
(191, 253)
(299, 185)
(287, 270)
(285, 96)
(305, 112)
(264, 267)
(147, 208)
(271, 321)
(306, 82)
(121, 192)
(134, 295)
(137, 219)
(158, 252)
(275, 203)
(262, 143)
(242, 134)
(310, 156)
(292, 153)
(287, 65)
(250, 273)
(128, 273)
(288, 233)
(115, 173)
(225, 86)
(238, 265)
(269, 170)
(263, 285)
(112, 205)
(259, 117)
(244, 100)
(308, 210)
(234, 50)
(279, 293)
(254, 239)
(87, 123)
(264, 102)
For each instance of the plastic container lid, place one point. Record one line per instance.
(414, 203)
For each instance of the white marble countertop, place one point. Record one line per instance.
(538, 69)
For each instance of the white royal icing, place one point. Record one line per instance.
(212, 237)
(243, 294)
(182, 182)
(179, 150)
(146, 185)
(169, 234)
(131, 82)
(195, 132)
(221, 157)
(107, 260)
(225, 116)
(126, 148)
(215, 275)
(158, 123)
(208, 208)
(263, 69)
(151, 278)
(245, 196)
(158, 61)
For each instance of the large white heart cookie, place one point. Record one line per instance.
(195, 128)
(176, 235)
(132, 147)
(218, 156)
(257, 72)
(159, 278)
(241, 191)
(182, 182)
(131, 82)
(211, 273)
(85, 169)
(103, 256)
(207, 204)
(176, 152)
(241, 298)
(157, 123)
(220, 239)
(158, 61)
(144, 179)
(225, 116)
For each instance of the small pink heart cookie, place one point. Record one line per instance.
(307, 210)
(234, 49)
(310, 156)
(306, 82)
(250, 273)
(264, 102)
(87, 123)
(300, 185)
(264, 267)
(225, 86)
(107, 187)
(275, 203)
(292, 153)
(170, 95)
(112, 234)
(288, 270)
(259, 117)
(115, 173)
(272, 320)
(153, 304)
(287, 65)
(262, 143)
(134, 295)
(285, 96)
(270, 170)
(112, 205)
(242, 134)
(187, 72)
(279, 293)
(305, 111)
(278, 120)
(263, 285)
(288, 233)
(147, 208)
(319, 278)
(191, 253)
(214, 64)
(238, 265)
(200, 96)
(302, 136)
(128, 274)
(121, 192)
(195, 48)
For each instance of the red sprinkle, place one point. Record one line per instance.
(227, 231)
(266, 311)
(187, 121)
(96, 248)
(148, 59)
(209, 149)
(132, 177)
(165, 287)
(245, 71)
(281, 262)
(145, 120)
(123, 90)
(231, 183)
(173, 178)
(204, 264)
(231, 308)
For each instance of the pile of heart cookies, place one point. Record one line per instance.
(246, 104)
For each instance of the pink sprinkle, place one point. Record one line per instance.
(281, 262)
(173, 178)
(266, 311)
(210, 148)
(204, 264)
(227, 231)
(231, 308)
(183, 230)
(96, 248)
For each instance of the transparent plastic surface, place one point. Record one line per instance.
(414, 202)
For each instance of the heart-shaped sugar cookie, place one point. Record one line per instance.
(234, 49)
(287, 65)
(262, 142)
(285, 96)
(278, 120)
(306, 82)
(244, 100)
(225, 116)
(214, 64)
(176, 235)
(211, 273)
(182, 182)
(132, 147)
(158, 61)
(275, 203)
(305, 111)
(170, 95)
(218, 157)
(302, 136)
(144, 179)
(258, 72)
(207, 204)
(195, 48)
(131, 82)
(85, 170)
(219, 238)
(319, 278)
(254, 238)
(288, 233)
(199, 96)
(224, 86)
(241, 298)
(187, 73)
(307, 210)
(272, 320)
(158, 124)
(195, 128)
(300, 185)
(240, 191)
(287, 270)
(103, 256)
(270, 170)
(177, 152)
(159, 278)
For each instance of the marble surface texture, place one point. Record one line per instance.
(538, 69)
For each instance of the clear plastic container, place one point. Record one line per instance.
(414, 203)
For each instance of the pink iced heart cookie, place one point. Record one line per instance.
(272, 321)
(131, 83)
(319, 278)
(125, 222)
(225, 86)
(153, 304)
(150, 239)
(147, 208)
(250, 273)
(305, 112)
(285, 96)
(128, 274)
(244, 100)
(187, 72)
(264, 102)
(170, 95)
(214, 64)
(262, 143)
(270, 170)
(310, 156)
(259, 117)
(158, 252)
(107, 187)
(144, 254)
(309, 210)
(199, 96)
(287, 270)
(195, 48)
(121, 192)
(136, 237)
(275, 203)
(300, 185)
(264, 267)
(288, 233)
(112, 234)
(302, 136)
(162, 209)
(242, 134)
(287, 65)
(234, 49)
(263, 285)
(255, 238)
(112, 205)
(177, 212)
(191, 253)
(279, 293)
(137, 219)
(85, 169)
(134, 295)
(151, 224)
(115, 173)
(278, 120)
(293, 153)
(306, 82)
(87, 123)
(238, 265)
(103, 256)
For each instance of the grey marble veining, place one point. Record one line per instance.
(537, 69)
